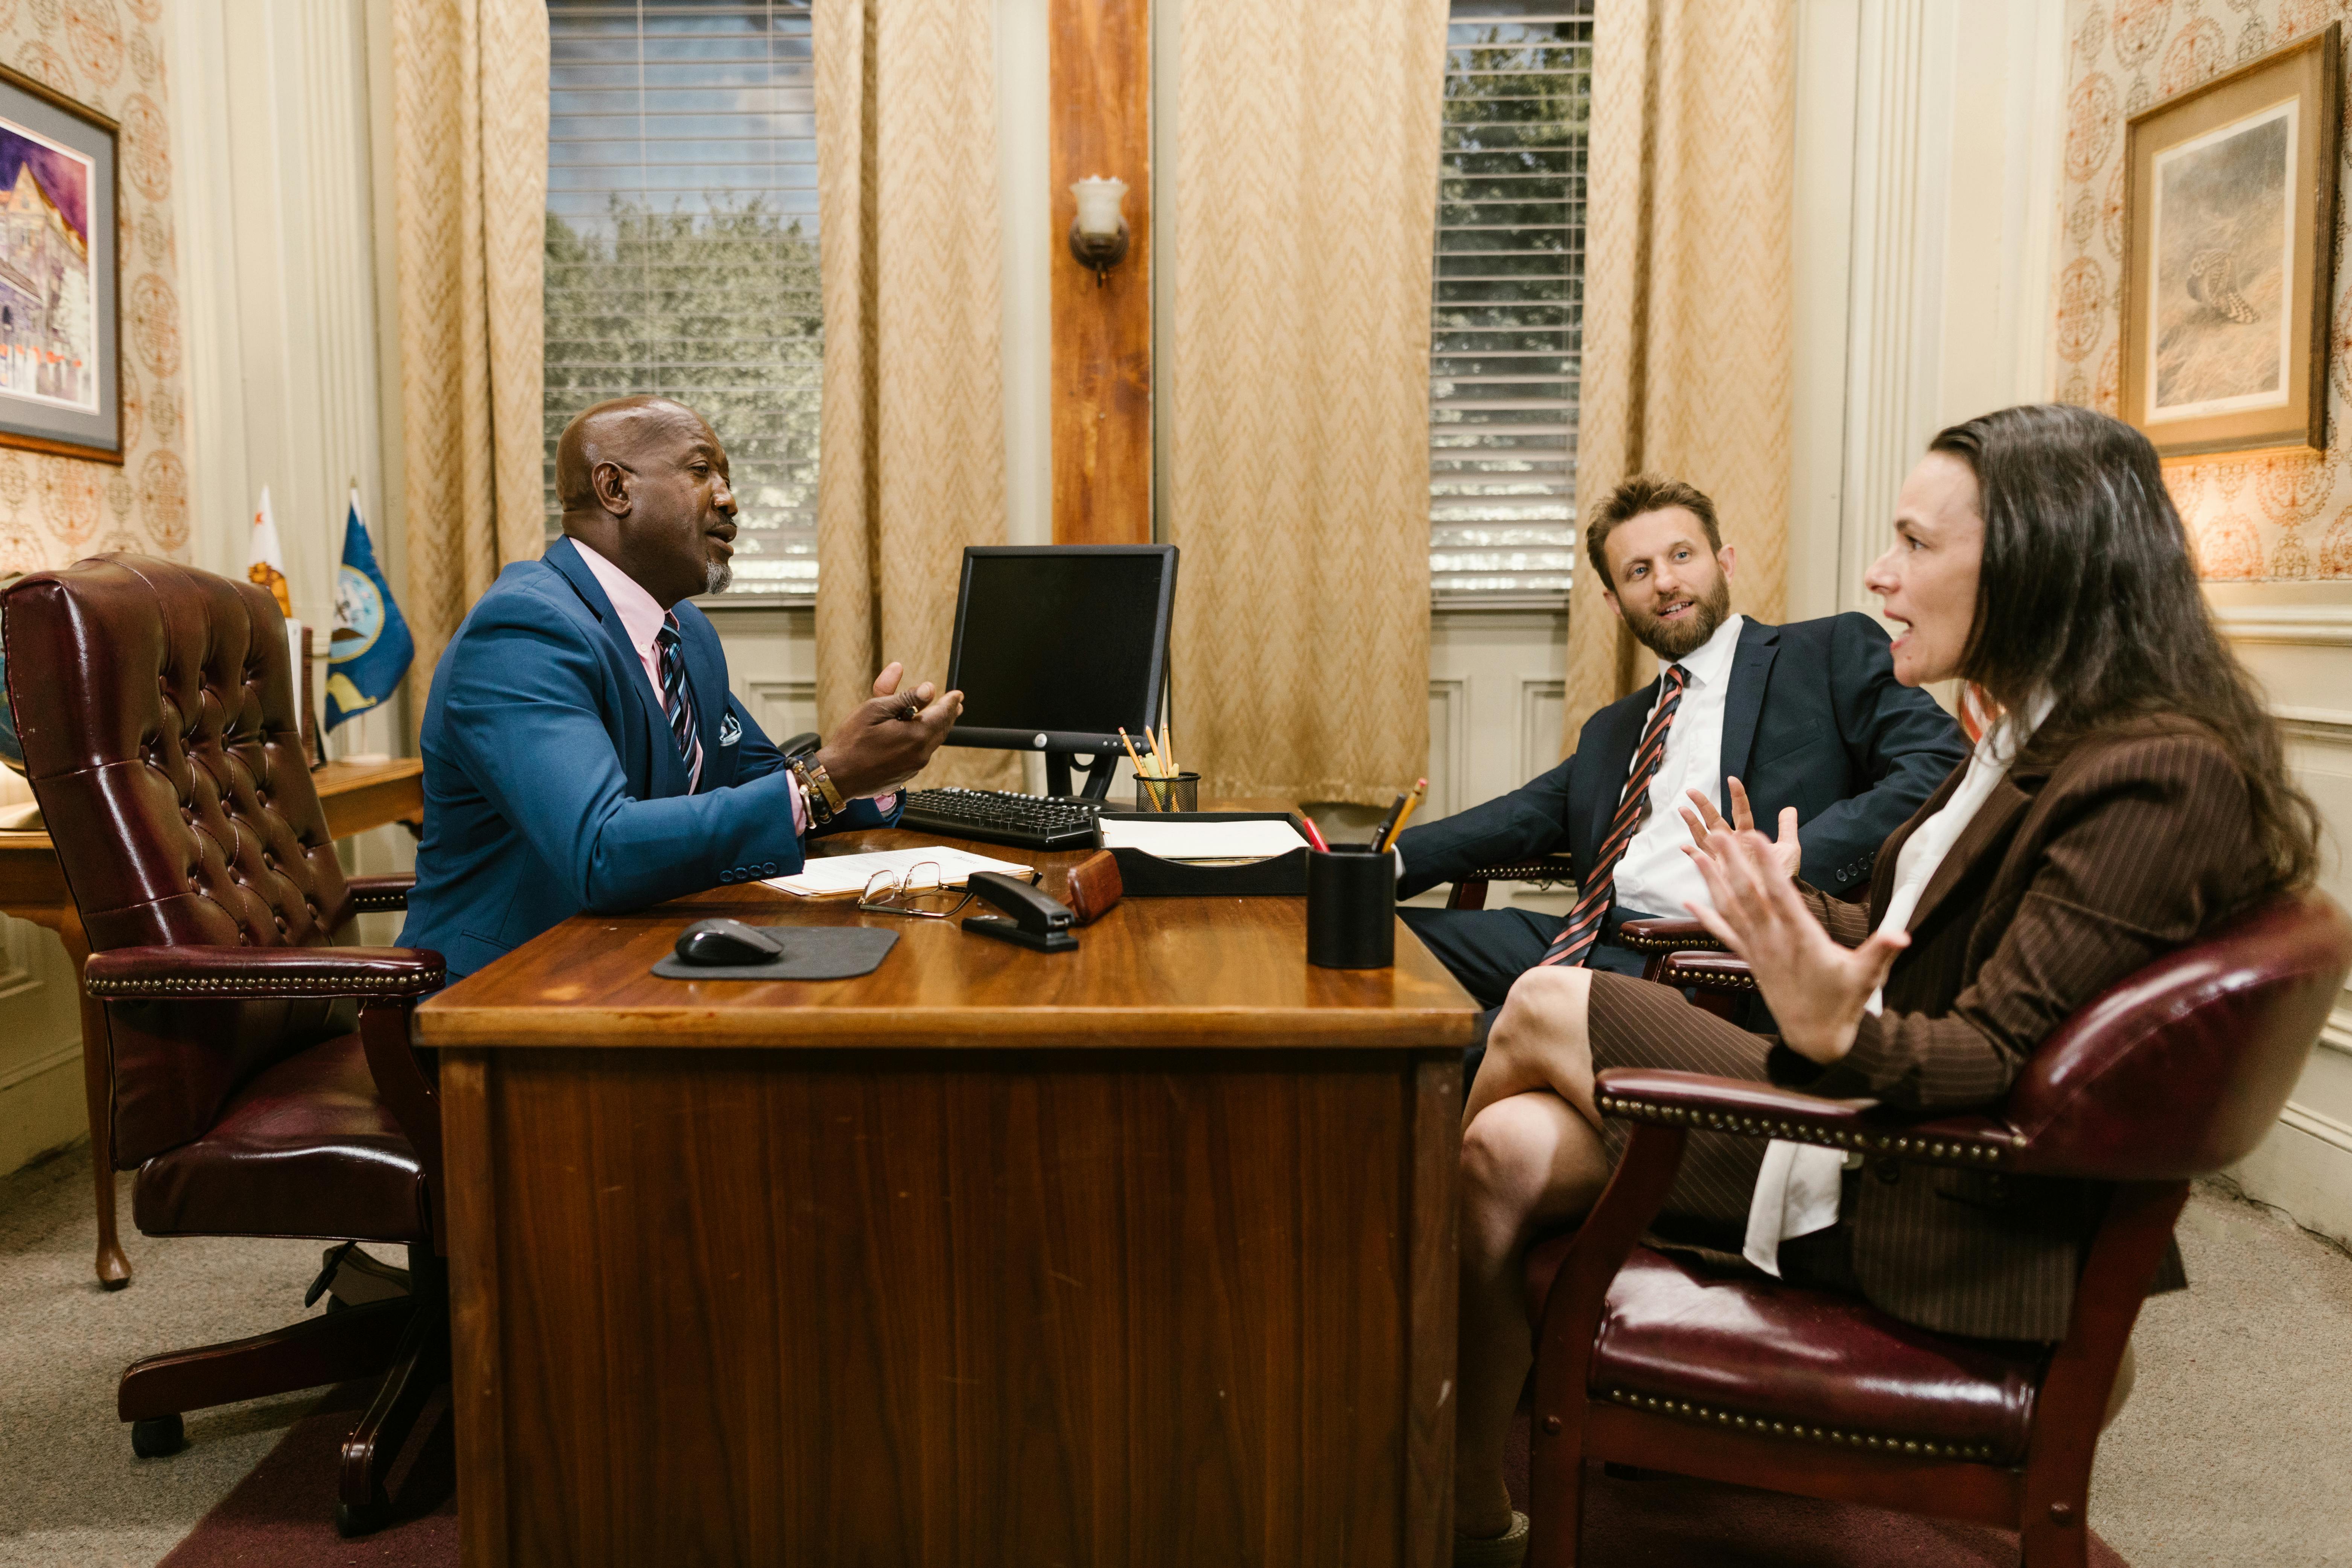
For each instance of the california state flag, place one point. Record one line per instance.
(266, 565)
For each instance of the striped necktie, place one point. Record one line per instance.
(677, 701)
(1598, 884)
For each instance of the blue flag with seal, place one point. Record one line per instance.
(371, 650)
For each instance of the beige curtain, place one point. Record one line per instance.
(469, 155)
(1687, 293)
(1298, 485)
(911, 463)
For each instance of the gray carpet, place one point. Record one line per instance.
(2234, 1449)
(71, 1492)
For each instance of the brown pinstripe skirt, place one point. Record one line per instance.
(1635, 1024)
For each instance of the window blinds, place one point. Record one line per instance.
(681, 244)
(1509, 297)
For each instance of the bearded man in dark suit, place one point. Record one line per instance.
(1805, 723)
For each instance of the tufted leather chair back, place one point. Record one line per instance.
(157, 711)
(2180, 1069)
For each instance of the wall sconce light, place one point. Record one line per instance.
(1098, 237)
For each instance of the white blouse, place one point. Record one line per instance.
(1797, 1186)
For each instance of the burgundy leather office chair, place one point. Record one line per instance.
(1641, 1360)
(156, 707)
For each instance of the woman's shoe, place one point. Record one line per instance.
(1508, 1549)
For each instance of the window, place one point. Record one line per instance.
(1506, 316)
(681, 244)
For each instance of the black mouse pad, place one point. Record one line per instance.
(811, 952)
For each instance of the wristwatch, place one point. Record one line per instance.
(823, 798)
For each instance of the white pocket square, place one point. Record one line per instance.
(730, 729)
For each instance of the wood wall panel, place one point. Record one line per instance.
(884, 1310)
(1101, 76)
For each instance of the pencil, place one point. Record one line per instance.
(1380, 832)
(1140, 771)
(1158, 757)
(1419, 788)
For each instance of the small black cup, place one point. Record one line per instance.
(1171, 792)
(1350, 908)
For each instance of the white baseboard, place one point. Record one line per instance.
(2305, 1167)
(41, 1106)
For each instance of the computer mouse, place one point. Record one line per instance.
(713, 944)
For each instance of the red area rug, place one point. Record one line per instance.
(1674, 1521)
(283, 1514)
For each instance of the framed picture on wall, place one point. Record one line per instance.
(2228, 257)
(60, 323)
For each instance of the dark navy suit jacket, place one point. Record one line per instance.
(552, 784)
(1814, 718)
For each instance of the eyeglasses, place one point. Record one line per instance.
(915, 891)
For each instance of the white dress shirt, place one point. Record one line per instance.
(1797, 1188)
(642, 617)
(1654, 876)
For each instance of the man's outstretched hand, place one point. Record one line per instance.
(890, 737)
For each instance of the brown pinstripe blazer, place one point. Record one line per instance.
(2080, 869)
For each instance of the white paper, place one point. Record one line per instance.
(833, 874)
(1176, 840)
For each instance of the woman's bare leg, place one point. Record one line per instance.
(1532, 1157)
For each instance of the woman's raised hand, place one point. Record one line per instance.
(1706, 821)
(1817, 989)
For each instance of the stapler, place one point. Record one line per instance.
(1038, 922)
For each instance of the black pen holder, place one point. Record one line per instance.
(1350, 908)
(1168, 791)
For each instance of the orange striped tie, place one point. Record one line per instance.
(1597, 886)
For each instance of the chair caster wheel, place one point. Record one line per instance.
(154, 1438)
(352, 1521)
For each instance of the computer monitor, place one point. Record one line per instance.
(1058, 645)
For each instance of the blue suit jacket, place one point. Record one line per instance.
(1814, 718)
(552, 784)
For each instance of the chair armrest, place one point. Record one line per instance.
(1705, 970)
(1667, 936)
(380, 895)
(257, 973)
(1748, 1110)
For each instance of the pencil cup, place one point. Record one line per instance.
(1350, 908)
(1177, 791)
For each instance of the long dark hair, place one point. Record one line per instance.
(2088, 594)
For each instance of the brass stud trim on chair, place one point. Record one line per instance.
(271, 986)
(1704, 980)
(1858, 1140)
(1764, 1426)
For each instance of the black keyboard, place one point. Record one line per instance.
(999, 817)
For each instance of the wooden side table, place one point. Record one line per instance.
(357, 796)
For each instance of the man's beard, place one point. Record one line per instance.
(717, 576)
(1671, 640)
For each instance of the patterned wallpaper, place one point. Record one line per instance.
(110, 54)
(2270, 518)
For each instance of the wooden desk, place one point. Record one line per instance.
(1139, 1254)
(356, 796)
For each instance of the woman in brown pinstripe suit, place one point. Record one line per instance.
(2132, 795)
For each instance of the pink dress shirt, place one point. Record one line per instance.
(641, 619)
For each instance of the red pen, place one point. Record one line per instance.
(1314, 835)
